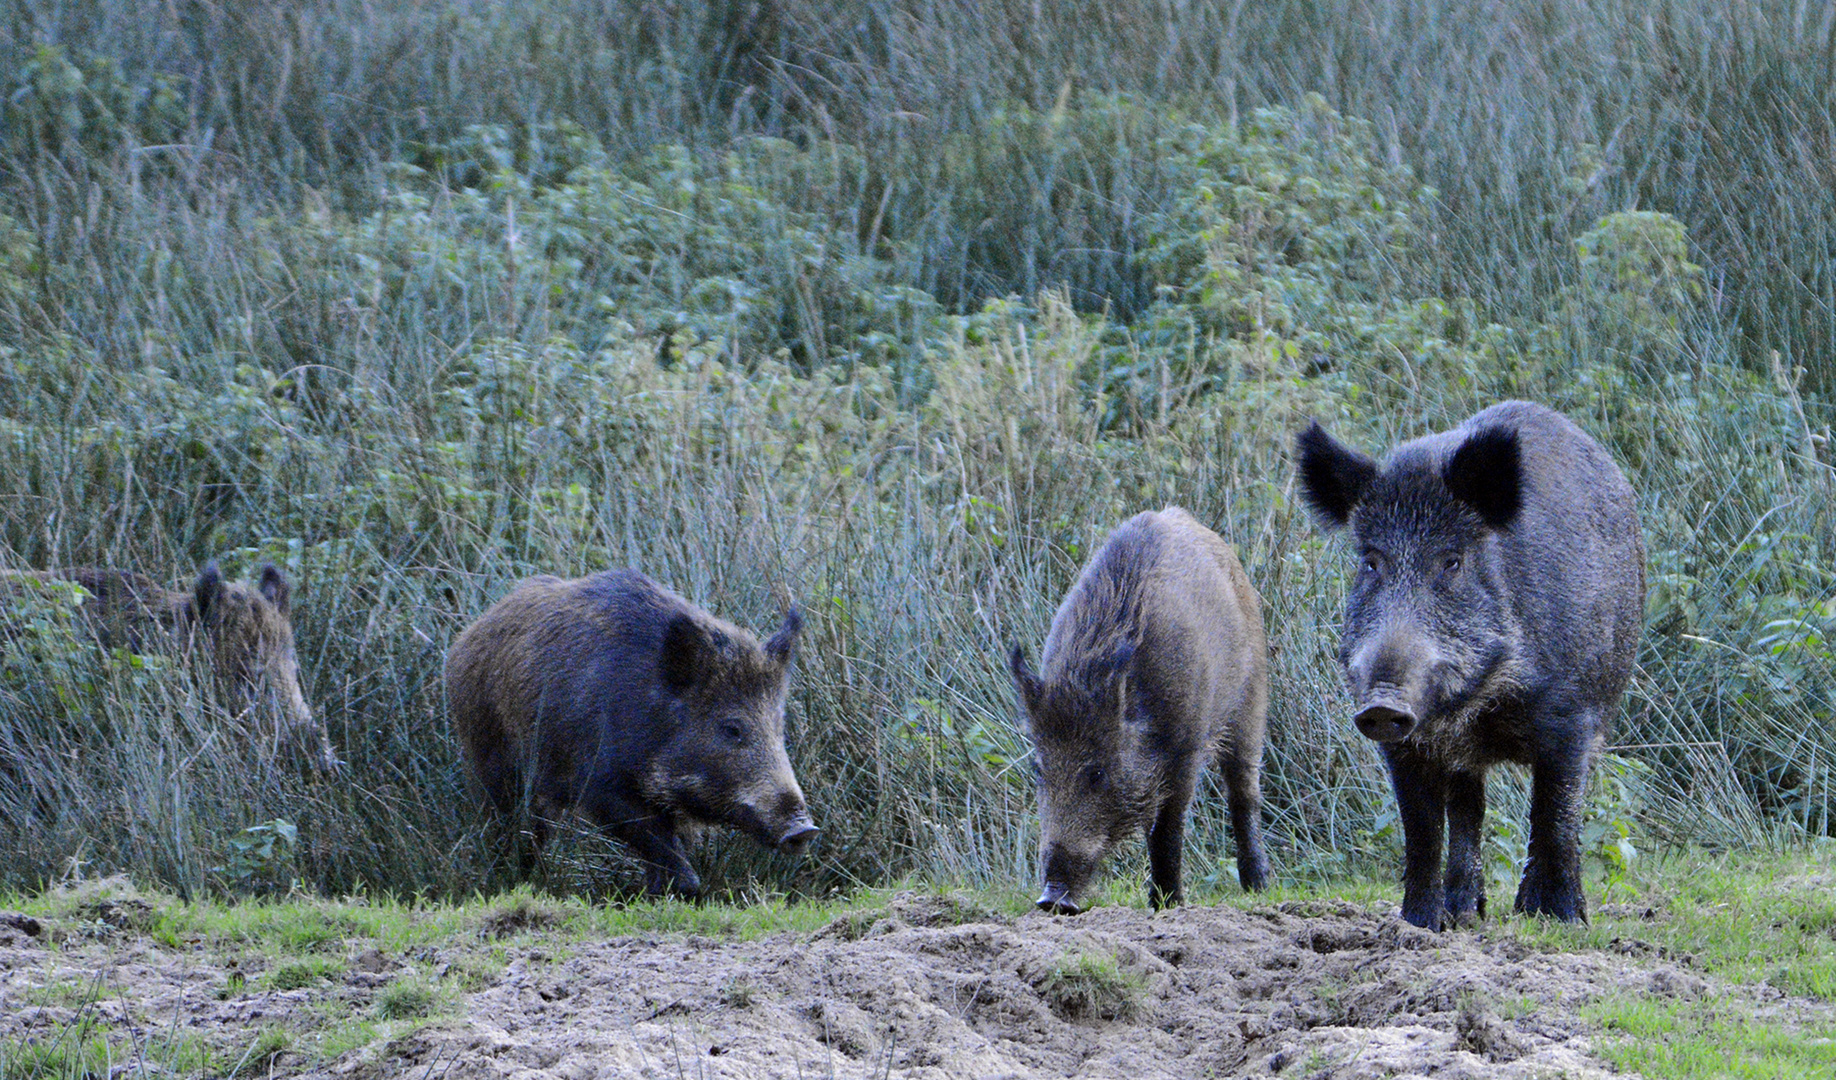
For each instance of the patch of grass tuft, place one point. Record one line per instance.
(296, 974)
(409, 998)
(1093, 985)
(258, 1059)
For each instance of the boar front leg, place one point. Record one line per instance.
(1420, 784)
(653, 838)
(1558, 781)
(1166, 843)
(669, 870)
(1465, 864)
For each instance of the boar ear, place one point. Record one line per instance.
(207, 591)
(681, 658)
(1025, 681)
(1333, 476)
(783, 644)
(274, 587)
(1485, 474)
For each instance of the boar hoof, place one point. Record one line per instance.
(797, 839)
(1557, 903)
(659, 881)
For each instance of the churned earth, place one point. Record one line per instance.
(920, 985)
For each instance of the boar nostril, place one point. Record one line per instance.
(1055, 900)
(797, 839)
(1384, 723)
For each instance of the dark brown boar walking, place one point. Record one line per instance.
(1494, 617)
(615, 697)
(1155, 662)
(245, 631)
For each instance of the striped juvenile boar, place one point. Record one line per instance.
(1494, 617)
(612, 696)
(1154, 664)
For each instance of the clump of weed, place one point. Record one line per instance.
(521, 914)
(296, 974)
(740, 992)
(407, 999)
(853, 925)
(1093, 985)
(258, 1060)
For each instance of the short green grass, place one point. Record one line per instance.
(410, 998)
(1750, 919)
(258, 1058)
(1687, 1039)
(79, 1051)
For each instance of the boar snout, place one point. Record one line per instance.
(779, 820)
(1067, 869)
(1395, 680)
(798, 837)
(1056, 900)
(1385, 721)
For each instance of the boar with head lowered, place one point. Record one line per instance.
(1494, 617)
(614, 697)
(1155, 662)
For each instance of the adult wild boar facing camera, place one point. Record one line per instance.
(614, 697)
(1494, 617)
(1155, 662)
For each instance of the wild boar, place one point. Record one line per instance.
(612, 696)
(1494, 617)
(1155, 662)
(243, 632)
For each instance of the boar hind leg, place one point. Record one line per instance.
(1552, 875)
(1421, 803)
(1166, 842)
(1465, 869)
(1243, 780)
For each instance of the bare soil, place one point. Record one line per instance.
(927, 987)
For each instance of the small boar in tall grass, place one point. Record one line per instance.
(241, 633)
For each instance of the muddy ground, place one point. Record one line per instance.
(927, 987)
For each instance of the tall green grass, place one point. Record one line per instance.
(985, 168)
(894, 309)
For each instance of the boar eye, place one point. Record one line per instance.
(734, 733)
(1452, 565)
(1096, 776)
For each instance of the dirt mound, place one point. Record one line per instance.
(1318, 989)
(925, 987)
